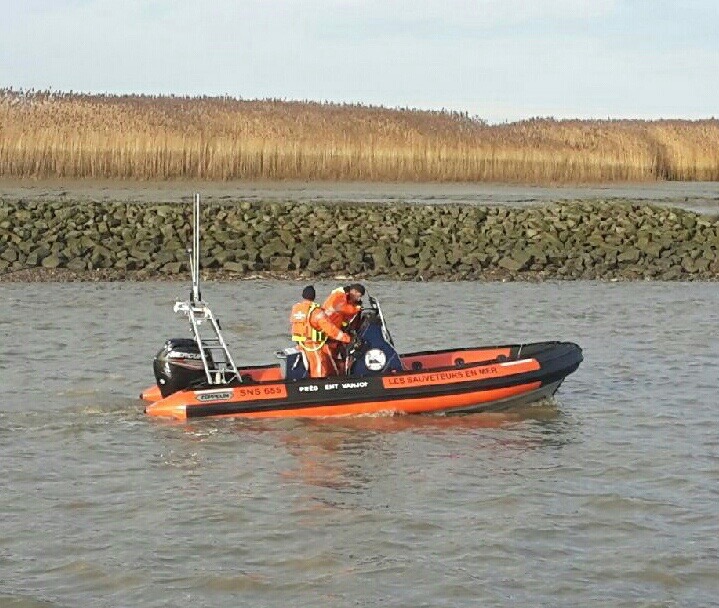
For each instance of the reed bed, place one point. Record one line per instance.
(46, 134)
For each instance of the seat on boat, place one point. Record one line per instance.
(294, 365)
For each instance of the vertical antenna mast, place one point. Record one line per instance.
(195, 257)
(216, 358)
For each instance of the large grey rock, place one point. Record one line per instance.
(76, 264)
(51, 261)
(280, 263)
(517, 261)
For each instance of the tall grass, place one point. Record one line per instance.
(46, 134)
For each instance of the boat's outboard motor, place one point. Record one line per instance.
(178, 366)
(377, 354)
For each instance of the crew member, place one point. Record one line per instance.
(342, 306)
(344, 303)
(311, 328)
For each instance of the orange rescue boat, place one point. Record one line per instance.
(197, 377)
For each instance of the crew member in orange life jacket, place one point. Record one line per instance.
(310, 329)
(341, 307)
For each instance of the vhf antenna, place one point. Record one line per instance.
(195, 252)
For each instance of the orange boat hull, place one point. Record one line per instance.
(471, 383)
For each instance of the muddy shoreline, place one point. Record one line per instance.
(701, 197)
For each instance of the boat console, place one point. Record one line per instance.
(377, 355)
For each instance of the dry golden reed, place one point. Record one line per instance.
(48, 134)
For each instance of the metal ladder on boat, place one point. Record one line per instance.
(219, 366)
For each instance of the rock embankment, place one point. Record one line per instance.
(415, 242)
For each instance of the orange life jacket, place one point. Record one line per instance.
(338, 309)
(310, 326)
(302, 331)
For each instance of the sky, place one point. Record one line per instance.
(499, 60)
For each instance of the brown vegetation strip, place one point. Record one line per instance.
(66, 135)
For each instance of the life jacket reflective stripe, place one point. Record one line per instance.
(302, 331)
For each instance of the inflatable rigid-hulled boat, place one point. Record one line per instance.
(197, 377)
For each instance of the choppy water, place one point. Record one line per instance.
(607, 497)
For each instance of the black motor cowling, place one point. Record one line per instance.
(178, 366)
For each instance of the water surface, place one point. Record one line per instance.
(606, 496)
